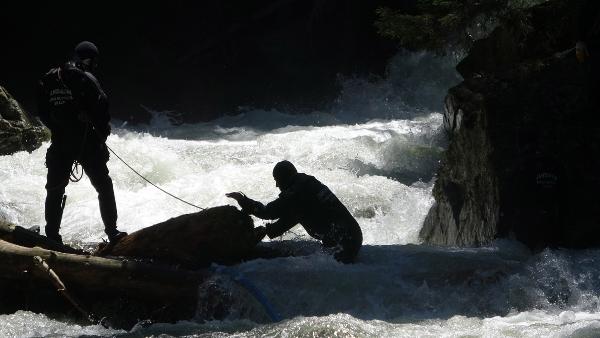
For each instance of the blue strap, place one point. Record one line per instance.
(252, 289)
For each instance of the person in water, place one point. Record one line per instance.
(74, 107)
(305, 200)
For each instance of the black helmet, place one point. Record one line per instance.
(86, 56)
(284, 173)
(86, 50)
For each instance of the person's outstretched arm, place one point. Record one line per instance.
(279, 227)
(279, 208)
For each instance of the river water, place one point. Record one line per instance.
(377, 148)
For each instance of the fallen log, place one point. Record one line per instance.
(148, 274)
(27, 238)
(221, 234)
(99, 281)
(130, 277)
(39, 263)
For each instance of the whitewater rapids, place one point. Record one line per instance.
(379, 157)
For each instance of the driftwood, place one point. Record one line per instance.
(24, 237)
(130, 277)
(148, 274)
(221, 234)
(45, 269)
(99, 281)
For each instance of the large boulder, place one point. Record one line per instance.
(220, 234)
(522, 161)
(18, 131)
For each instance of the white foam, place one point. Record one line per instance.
(377, 152)
(351, 159)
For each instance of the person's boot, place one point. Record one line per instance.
(114, 235)
(53, 235)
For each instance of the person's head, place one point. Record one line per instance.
(284, 173)
(86, 56)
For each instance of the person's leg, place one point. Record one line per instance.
(59, 169)
(97, 171)
(350, 244)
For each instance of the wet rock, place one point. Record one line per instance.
(522, 162)
(220, 234)
(17, 131)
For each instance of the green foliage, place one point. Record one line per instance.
(439, 24)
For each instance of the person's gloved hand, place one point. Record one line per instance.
(581, 51)
(238, 196)
(242, 200)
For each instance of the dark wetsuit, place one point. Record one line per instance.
(67, 96)
(310, 203)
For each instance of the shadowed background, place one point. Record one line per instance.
(204, 58)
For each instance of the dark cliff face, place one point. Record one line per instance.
(522, 161)
(204, 58)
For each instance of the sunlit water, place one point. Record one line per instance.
(378, 153)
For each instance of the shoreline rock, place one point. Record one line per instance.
(18, 132)
(522, 158)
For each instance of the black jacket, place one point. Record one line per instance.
(310, 203)
(66, 96)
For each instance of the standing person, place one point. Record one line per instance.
(307, 201)
(74, 107)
